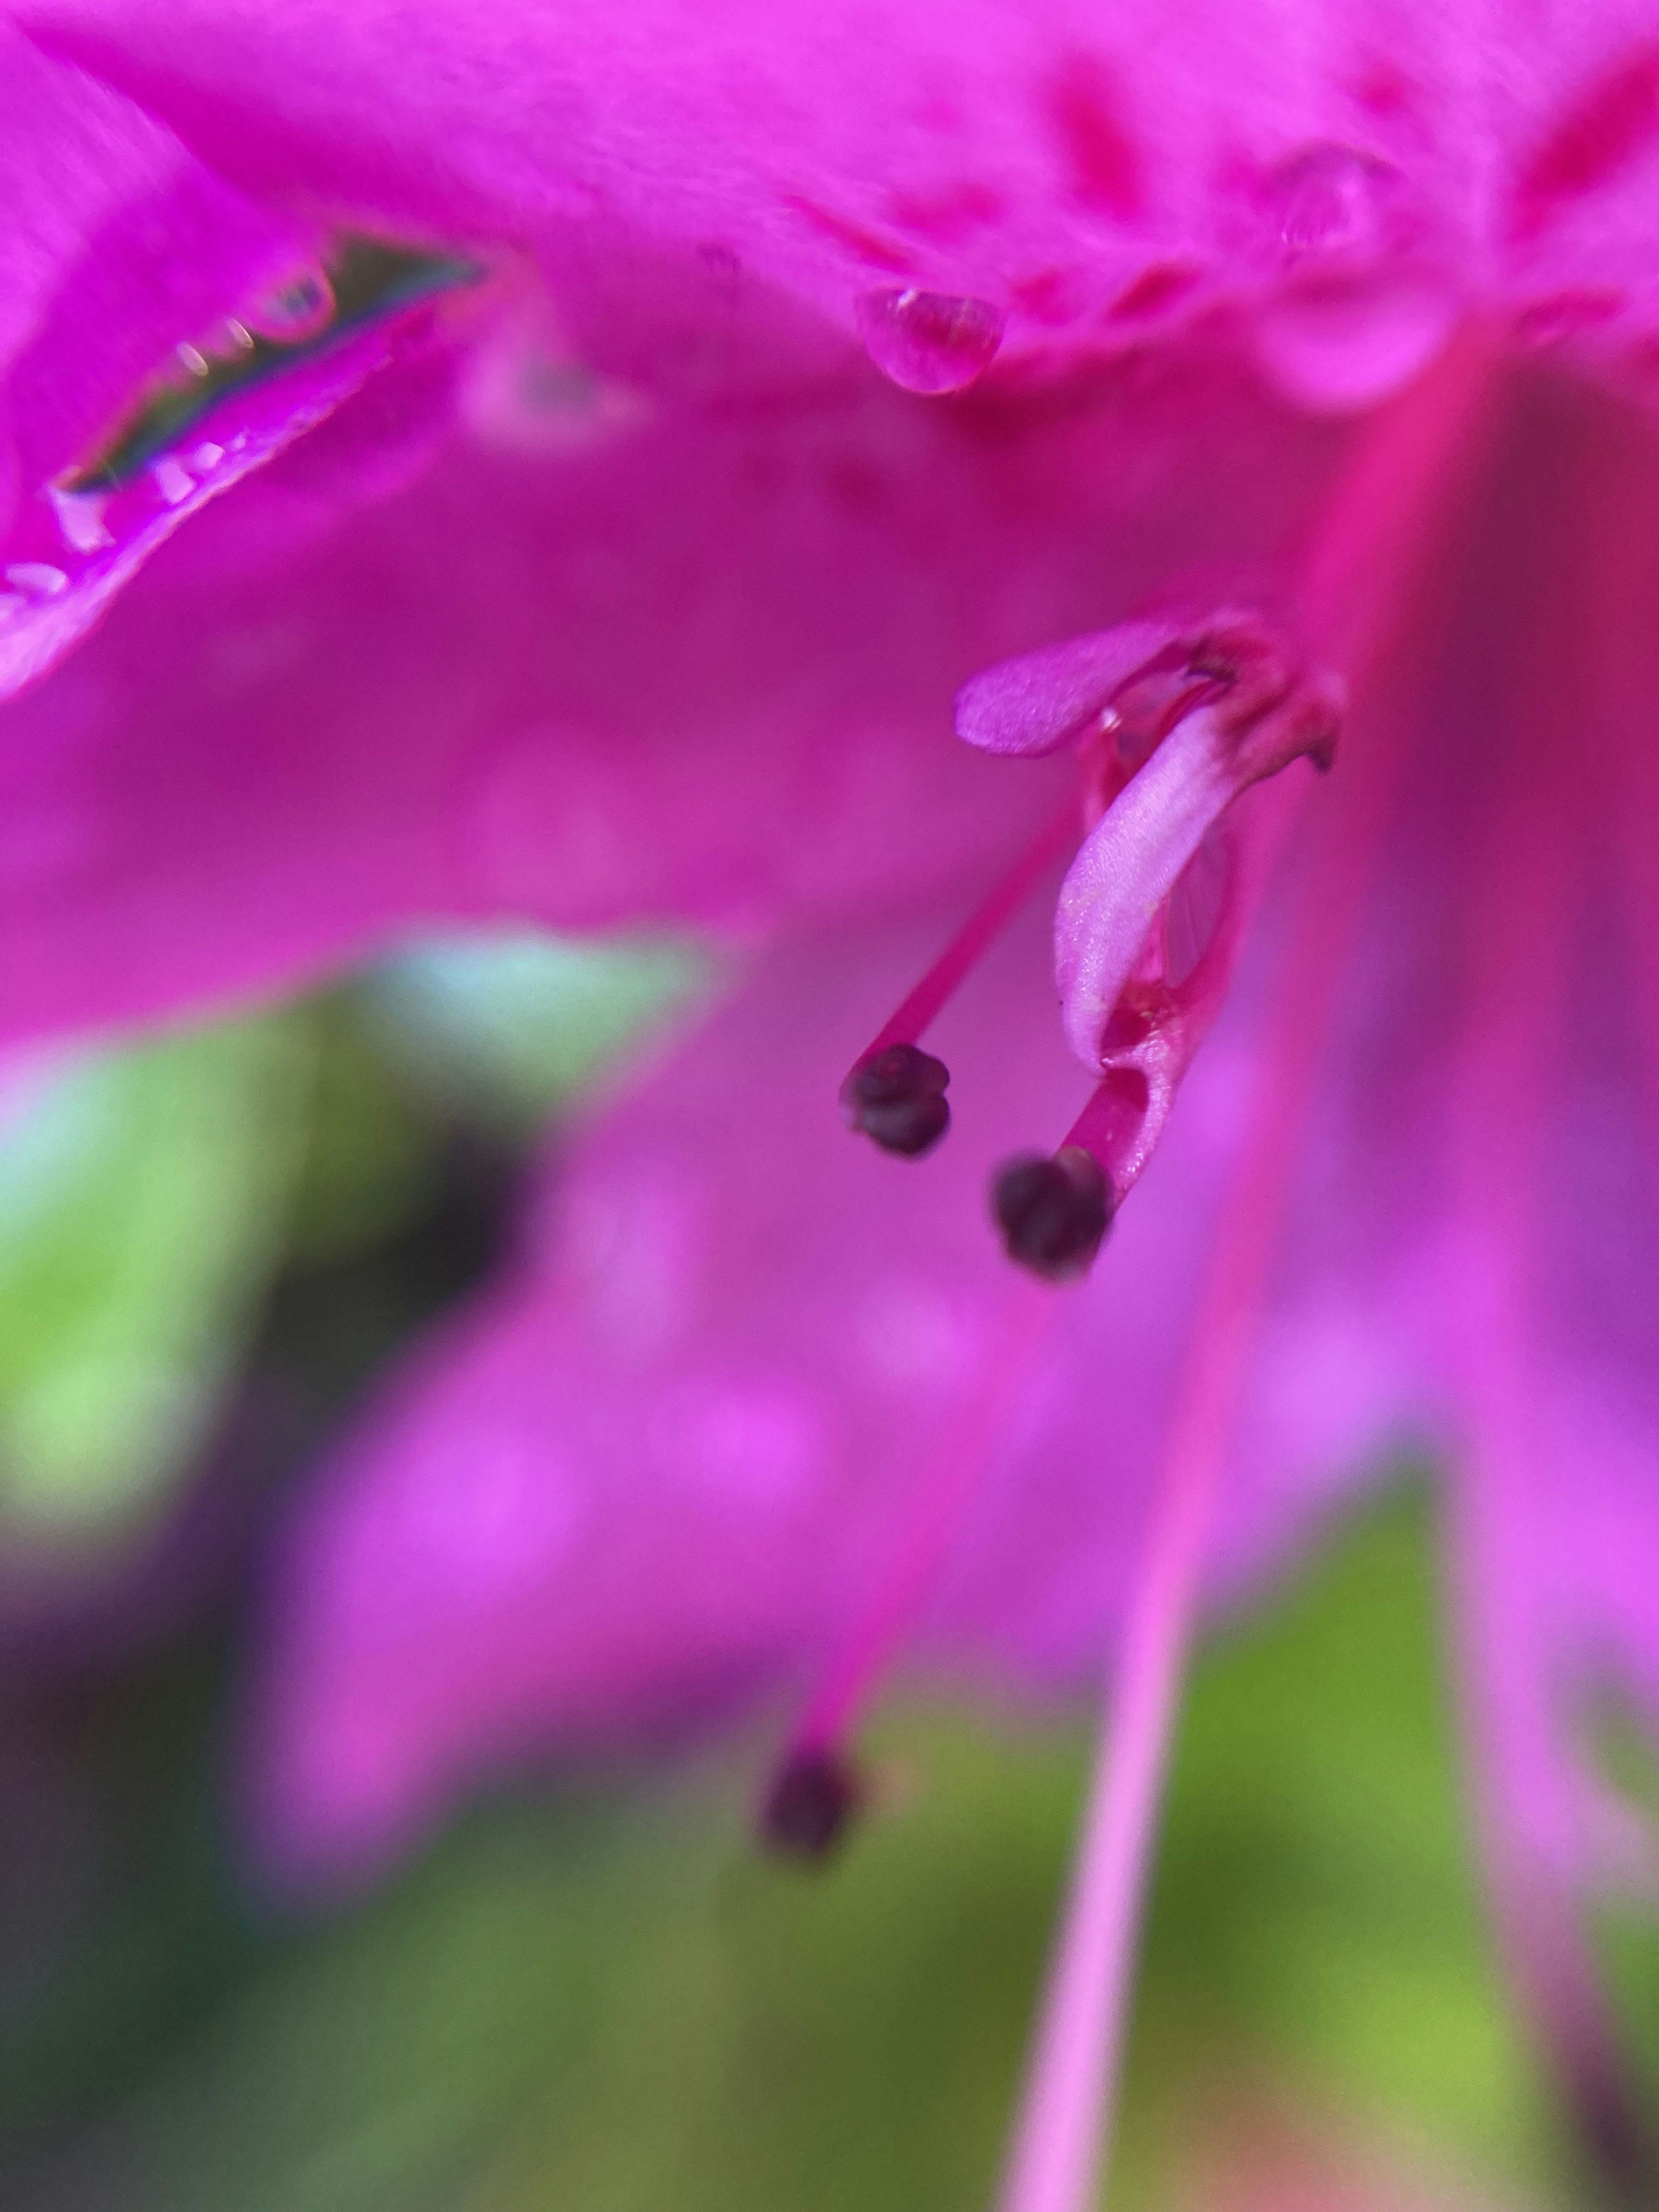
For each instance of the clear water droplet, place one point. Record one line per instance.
(928, 341)
(39, 579)
(1333, 201)
(1362, 301)
(172, 479)
(206, 457)
(80, 519)
(300, 307)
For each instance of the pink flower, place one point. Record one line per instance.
(1299, 358)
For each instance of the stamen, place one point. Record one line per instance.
(1054, 1213)
(809, 1805)
(932, 1515)
(1071, 2089)
(897, 1099)
(1228, 712)
(895, 1094)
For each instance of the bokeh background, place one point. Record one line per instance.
(590, 1993)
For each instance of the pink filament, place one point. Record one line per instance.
(934, 1513)
(978, 934)
(1520, 907)
(1071, 2085)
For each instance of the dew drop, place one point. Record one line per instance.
(172, 479)
(39, 579)
(301, 307)
(928, 341)
(80, 519)
(1329, 199)
(206, 457)
(1361, 302)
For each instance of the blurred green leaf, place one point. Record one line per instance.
(142, 1193)
(515, 1021)
(608, 2004)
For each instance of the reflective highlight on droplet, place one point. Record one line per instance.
(367, 280)
(928, 341)
(1329, 199)
(290, 312)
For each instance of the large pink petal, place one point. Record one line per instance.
(1083, 168)
(697, 661)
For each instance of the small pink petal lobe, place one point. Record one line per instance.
(1033, 703)
(1601, 134)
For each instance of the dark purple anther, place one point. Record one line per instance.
(898, 1100)
(812, 1797)
(1052, 1213)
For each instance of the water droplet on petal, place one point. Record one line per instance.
(206, 457)
(38, 579)
(1329, 199)
(928, 341)
(298, 308)
(172, 479)
(80, 519)
(1362, 301)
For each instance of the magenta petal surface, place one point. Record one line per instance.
(1351, 175)
(687, 662)
(660, 1468)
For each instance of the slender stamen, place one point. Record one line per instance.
(931, 1520)
(1138, 1003)
(1053, 1214)
(1071, 2087)
(1529, 1802)
(895, 1094)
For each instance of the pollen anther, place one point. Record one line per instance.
(897, 1099)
